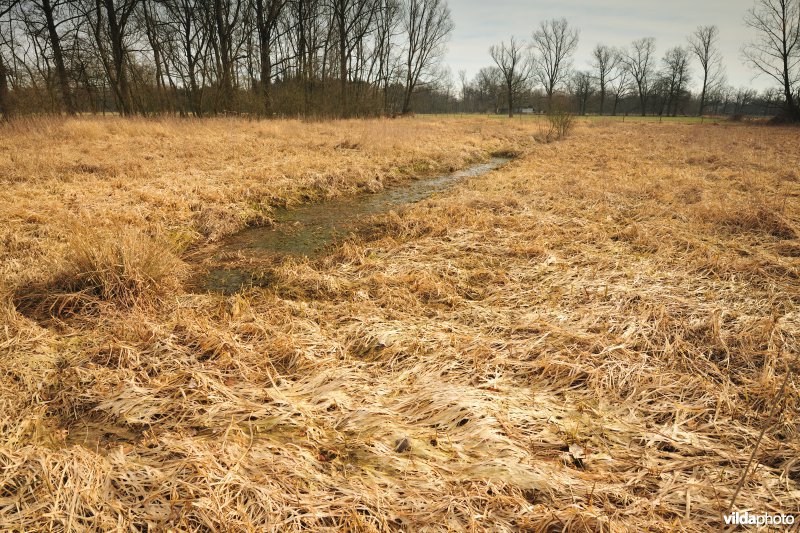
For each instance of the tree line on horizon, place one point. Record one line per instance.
(202, 57)
(346, 58)
(485, 93)
(660, 85)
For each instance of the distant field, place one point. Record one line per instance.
(589, 338)
(603, 118)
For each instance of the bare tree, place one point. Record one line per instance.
(187, 47)
(5, 102)
(109, 23)
(148, 15)
(428, 26)
(513, 67)
(743, 97)
(464, 82)
(260, 56)
(674, 77)
(352, 19)
(46, 17)
(639, 64)
(552, 46)
(267, 13)
(703, 44)
(489, 88)
(620, 83)
(386, 30)
(226, 15)
(582, 86)
(605, 63)
(776, 49)
(769, 97)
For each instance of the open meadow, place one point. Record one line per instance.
(590, 337)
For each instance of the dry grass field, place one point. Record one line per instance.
(590, 338)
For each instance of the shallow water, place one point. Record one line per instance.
(308, 229)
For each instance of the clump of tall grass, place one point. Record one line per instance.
(126, 268)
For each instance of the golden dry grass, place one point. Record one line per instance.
(590, 338)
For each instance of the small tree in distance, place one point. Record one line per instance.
(514, 67)
(582, 86)
(675, 77)
(605, 61)
(620, 83)
(552, 47)
(639, 64)
(558, 125)
(703, 44)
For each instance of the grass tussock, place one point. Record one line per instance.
(125, 268)
(581, 340)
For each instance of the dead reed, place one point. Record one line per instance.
(588, 339)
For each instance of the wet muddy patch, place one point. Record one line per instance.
(307, 231)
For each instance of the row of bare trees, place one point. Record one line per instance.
(197, 57)
(546, 61)
(486, 92)
(659, 84)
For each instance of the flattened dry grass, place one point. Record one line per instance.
(590, 338)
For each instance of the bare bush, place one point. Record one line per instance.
(558, 125)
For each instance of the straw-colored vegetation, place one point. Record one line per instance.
(592, 337)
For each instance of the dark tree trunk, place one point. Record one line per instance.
(226, 76)
(342, 29)
(642, 101)
(58, 58)
(193, 97)
(5, 103)
(510, 101)
(120, 75)
(194, 93)
(792, 111)
(602, 100)
(408, 90)
(155, 45)
(703, 93)
(265, 21)
(266, 62)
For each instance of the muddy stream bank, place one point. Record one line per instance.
(307, 230)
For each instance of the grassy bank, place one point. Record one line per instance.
(197, 180)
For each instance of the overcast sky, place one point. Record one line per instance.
(481, 23)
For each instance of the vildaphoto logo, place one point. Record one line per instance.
(763, 519)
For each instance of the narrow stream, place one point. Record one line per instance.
(306, 230)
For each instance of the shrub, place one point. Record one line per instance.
(559, 124)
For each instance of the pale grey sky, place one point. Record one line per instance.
(481, 23)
